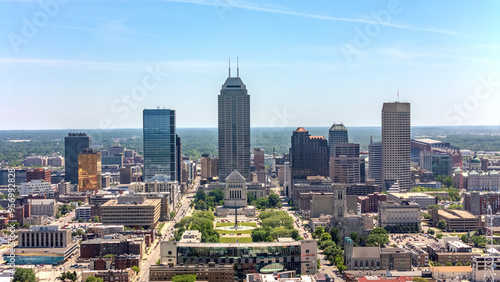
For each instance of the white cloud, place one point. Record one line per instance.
(246, 6)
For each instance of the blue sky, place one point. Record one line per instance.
(97, 64)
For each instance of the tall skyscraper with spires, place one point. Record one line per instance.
(234, 128)
(396, 145)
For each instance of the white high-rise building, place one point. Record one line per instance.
(396, 144)
(37, 187)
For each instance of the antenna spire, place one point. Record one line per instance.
(229, 66)
(398, 95)
(237, 67)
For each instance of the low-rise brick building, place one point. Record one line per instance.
(96, 248)
(456, 220)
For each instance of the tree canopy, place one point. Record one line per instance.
(201, 221)
(378, 237)
(442, 224)
(275, 224)
(24, 275)
(184, 278)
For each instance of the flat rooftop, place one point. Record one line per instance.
(411, 195)
(428, 141)
(190, 266)
(465, 214)
(442, 269)
(459, 244)
(447, 214)
(146, 203)
(391, 204)
(235, 245)
(46, 251)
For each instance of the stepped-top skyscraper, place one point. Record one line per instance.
(160, 152)
(234, 128)
(396, 144)
(337, 134)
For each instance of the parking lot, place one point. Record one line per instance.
(402, 239)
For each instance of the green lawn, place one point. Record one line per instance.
(223, 224)
(234, 232)
(233, 240)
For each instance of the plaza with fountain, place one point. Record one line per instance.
(231, 230)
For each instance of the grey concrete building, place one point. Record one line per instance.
(46, 207)
(376, 258)
(393, 214)
(346, 166)
(422, 199)
(330, 203)
(375, 163)
(44, 237)
(396, 144)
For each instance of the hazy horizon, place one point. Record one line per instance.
(280, 127)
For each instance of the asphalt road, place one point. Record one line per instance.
(326, 266)
(167, 231)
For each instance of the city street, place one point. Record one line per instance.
(167, 232)
(326, 266)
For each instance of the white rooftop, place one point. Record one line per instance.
(235, 175)
(428, 141)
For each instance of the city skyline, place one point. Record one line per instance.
(344, 60)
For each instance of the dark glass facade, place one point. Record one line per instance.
(74, 144)
(308, 155)
(19, 175)
(442, 164)
(159, 139)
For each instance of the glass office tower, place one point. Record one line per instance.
(89, 170)
(74, 144)
(159, 142)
